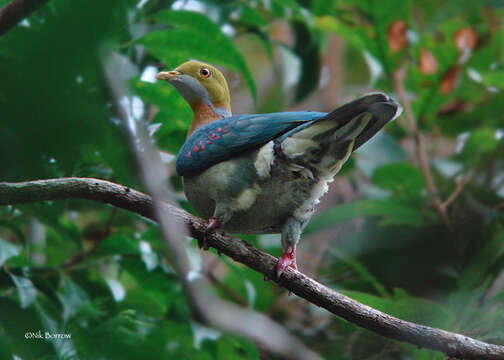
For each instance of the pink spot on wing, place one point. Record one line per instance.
(219, 129)
(188, 154)
(209, 142)
(202, 145)
(195, 149)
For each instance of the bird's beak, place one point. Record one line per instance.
(168, 75)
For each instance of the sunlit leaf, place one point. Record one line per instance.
(25, 289)
(71, 296)
(355, 36)
(494, 78)
(8, 250)
(481, 142)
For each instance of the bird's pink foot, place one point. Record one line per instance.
(213, 224)
(288, 259)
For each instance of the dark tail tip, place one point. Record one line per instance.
(383, 112)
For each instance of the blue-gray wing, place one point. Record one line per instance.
(229, 137)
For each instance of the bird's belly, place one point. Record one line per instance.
(274, 200)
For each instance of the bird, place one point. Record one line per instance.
(264, 173)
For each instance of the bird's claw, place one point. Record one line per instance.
(213, 224)
(288, 259)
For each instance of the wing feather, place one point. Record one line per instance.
(229, 137)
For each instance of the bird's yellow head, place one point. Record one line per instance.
(200, 85)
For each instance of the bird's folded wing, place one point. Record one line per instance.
(228, 137)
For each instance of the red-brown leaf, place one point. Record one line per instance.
(396, 35)
(427, 63)
(448, 82)
(465, 38)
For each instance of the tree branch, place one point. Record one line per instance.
(15, 11)
(452, 344)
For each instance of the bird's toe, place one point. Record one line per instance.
(288, 259)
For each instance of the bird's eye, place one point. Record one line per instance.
(204, 72)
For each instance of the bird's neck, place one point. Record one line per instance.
(205, 113)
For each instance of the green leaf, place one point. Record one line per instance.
(407, 307)
(399, 178)
(494, 78)
(51, 323)
(361, 270)
(155, 288)
(46, 124)
(353, 35)
(71, 296)
(252, 17)
(163, 96)
(8, 250)
(231, 347)
(480, 143)
(246, 284)
(195, 36)
(118, 244)
(482, 261)
(391, 212)
(382, 14)
(320, 7)
(175, 115)
(26, 291)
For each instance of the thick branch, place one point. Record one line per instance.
(452, 344)
(15, 11)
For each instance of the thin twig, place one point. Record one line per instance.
(15, 11)
(452, 344)
(460, 183)
(423, 160)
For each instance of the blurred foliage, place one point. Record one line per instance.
(387, 248)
